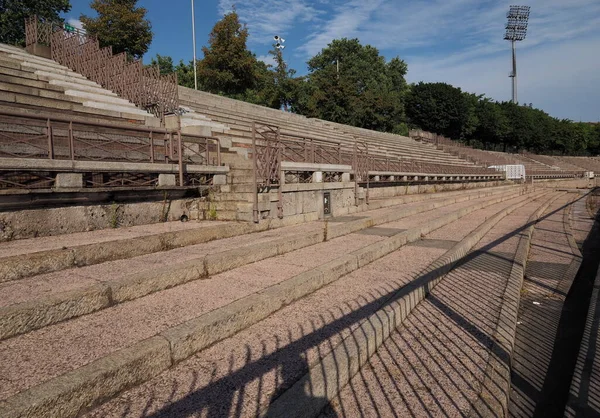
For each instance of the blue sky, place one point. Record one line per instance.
(454, 41)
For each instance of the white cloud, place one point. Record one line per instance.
(76, 23)
(267, 59)
(561, 78)
(457, 41)
(266, 18)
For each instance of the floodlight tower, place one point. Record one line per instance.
(516, 30)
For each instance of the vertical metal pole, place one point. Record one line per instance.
(218, 152)
(254, 174)
(514, 72)
(194, 46)
(151, 147)
(180, 155)
(279, 182)
(207, 152)
(71, 141)
(50, 140)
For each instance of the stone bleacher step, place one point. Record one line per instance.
(129, 110)
(446, 283)
(82, 87)
(23, 317)
(140, 359)
(63, 105)
(100, 97)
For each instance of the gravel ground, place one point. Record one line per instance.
(434, 363)
(240, 375)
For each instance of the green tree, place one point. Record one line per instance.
(443, 109)
(185, 74)
(283, 82)
(164, 63)
(120, 24)
(493, 124)
(14, 12)
(228, 67)
(351, 83)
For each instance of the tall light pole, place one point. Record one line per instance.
(194, 46)
(516, 30)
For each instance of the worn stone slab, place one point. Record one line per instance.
(495, 388)
(326, 378)
(141, 284)
(81, 389)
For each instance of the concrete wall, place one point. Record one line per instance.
(310, 202)
(307, 199)
(44, 222)
(381, 192)
(569, 183)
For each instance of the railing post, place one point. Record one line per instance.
(167, 145)
(180, 155)
(305, 150)
(151, 139)
(279, 182)
(50, 140)
(254, 174)
(71, 141)
(218, 151)
(207, 152)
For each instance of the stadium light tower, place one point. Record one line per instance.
(516, 30)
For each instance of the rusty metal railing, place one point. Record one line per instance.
(143, 86)
(51, 137)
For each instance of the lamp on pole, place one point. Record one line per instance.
(194, 46)
(516, 30)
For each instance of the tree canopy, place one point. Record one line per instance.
(352, 83)
(228, 67)
(120, 24)
(14, 12)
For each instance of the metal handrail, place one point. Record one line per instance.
(57, 138)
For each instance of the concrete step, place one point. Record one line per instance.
(99, 97)
(130, 110)
(18, 81)
(65, 77)
(83, 87)
(52, 104)
(38, 61)
(195, 314)
(61, 71)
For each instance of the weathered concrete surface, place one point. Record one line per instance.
(433, 364)
(326, 379)
(46, 222)
(551, 268)
(24, 258)
(74, 392)
(27, 316)
(241, 374)
(248, 310)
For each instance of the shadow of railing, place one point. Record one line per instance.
(270, 371)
